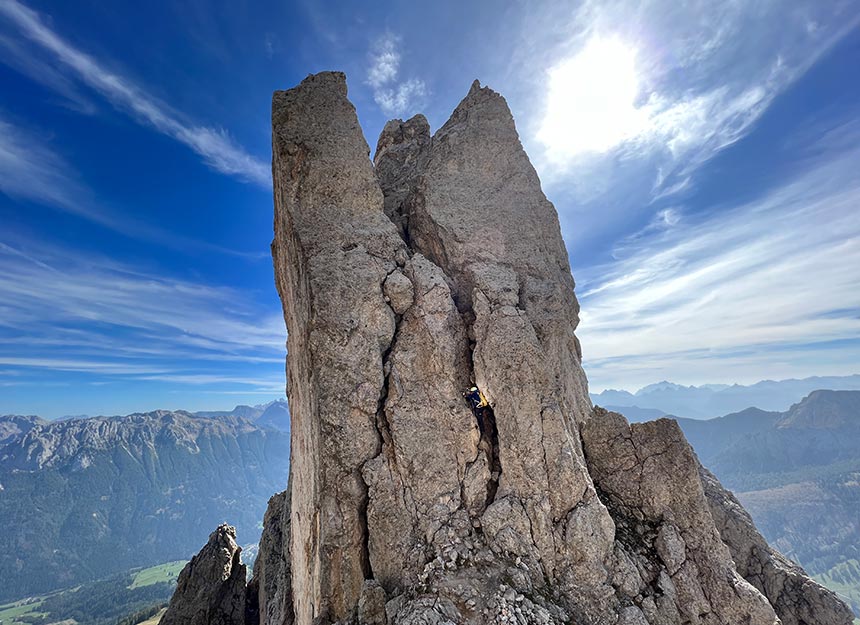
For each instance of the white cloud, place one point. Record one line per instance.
(663, 85)
(215, 146)
(755, 288)
(76, 312)
(393, 97)
(272, 384)
(668, 217)
(400, 99)
(384, 61)
(30, 169)
(21, 59)
(61, 364)
(595, 104)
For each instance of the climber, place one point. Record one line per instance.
(475, 398)
(478, 403)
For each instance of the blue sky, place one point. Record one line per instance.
(702, 156)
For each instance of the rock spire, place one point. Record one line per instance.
(211, 588)
(405, 280)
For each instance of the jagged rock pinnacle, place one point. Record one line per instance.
(211, 588)
(441, 268)
(405, 282)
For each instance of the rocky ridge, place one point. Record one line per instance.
(13, 427)
(714, 400)
(86, 498)
(215, 577)
(440, 266)
(824, 410)
(56, 443)
(816, 438)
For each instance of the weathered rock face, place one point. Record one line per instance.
(410, 306)
(403, 285)
(401, 155)
(334, 248)
(272, 581)
(211, 588)
(681, 571)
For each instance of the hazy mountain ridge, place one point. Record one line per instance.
(714, 400)
(827, 410)
(635, 414)
(15, 426)
(252, 413)
(276, 415)
(753, 449)
(53, 443)
(87, 497)
(798, 474)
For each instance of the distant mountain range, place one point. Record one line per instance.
(274, 414)
(817, 437)
(84, 498)
(798, 473)
(714, 400)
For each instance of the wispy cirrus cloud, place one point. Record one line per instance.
(213, 145)
(31, 169)
(394, 97)
(663, 86)
(736, 293)
(15, 53)
(91, 315)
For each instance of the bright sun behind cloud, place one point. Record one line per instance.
(591, 100)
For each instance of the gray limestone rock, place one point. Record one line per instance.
(399, 292)
(477, 211)
(211, 588)
(648, 476)
(272, 575)
(371, 604)
(404, 282)
(401, 153)
(631, 615)
(333, 249)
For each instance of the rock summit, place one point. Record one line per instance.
(405, 279)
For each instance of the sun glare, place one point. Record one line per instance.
(590, 104)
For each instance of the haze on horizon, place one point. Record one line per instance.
(702, 158)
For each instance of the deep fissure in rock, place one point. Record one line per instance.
(490, 437)
(366, 568)
(489, 441)
(252, 602)
(383, 430)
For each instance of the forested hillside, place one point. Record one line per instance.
(85, 498)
